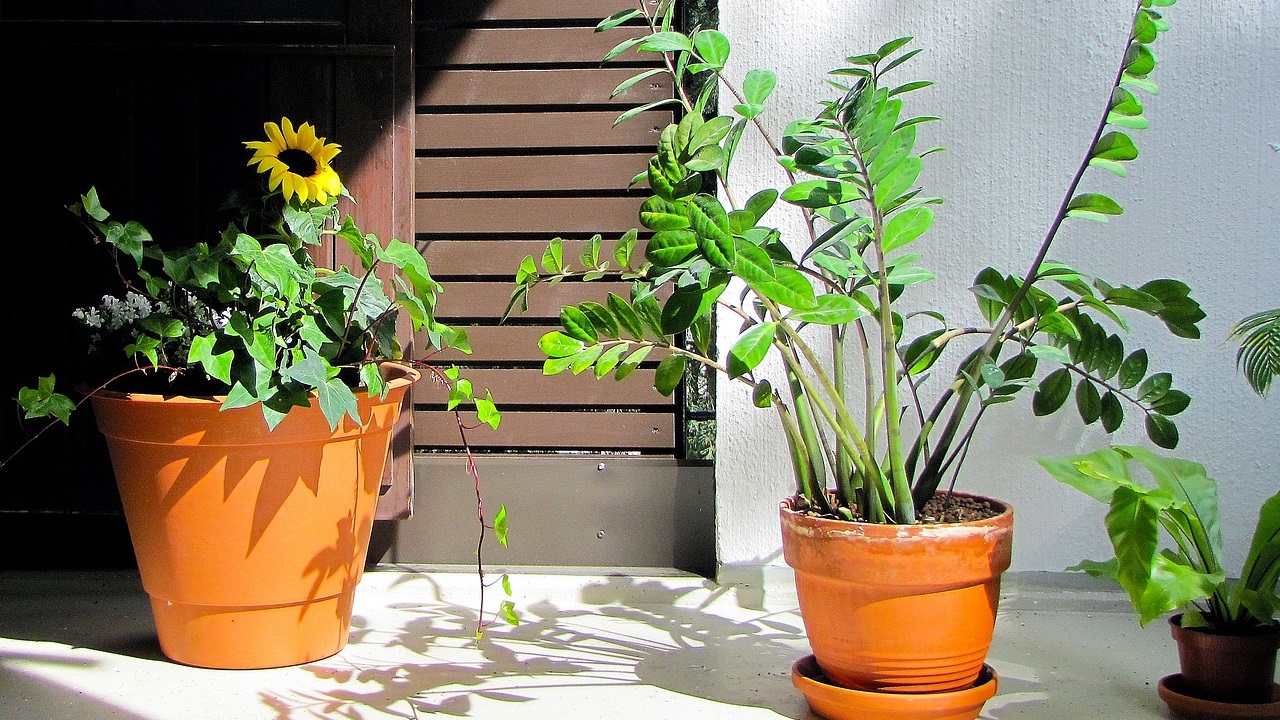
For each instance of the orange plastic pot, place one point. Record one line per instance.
(898, 608)
(249, 541)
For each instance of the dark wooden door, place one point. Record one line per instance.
(150, 103)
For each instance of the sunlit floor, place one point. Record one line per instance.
(609, 644)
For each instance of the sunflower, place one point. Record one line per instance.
(298, 161)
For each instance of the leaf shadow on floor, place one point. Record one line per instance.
(621, 631)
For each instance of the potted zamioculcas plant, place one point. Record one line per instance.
(1163, 522)
(249, 415)
(875, 449)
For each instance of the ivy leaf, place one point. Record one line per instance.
(42, 401)
(500, 529)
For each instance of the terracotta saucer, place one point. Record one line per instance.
(1191, 708)
(838, 703)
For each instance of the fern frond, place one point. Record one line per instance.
(1259, 353)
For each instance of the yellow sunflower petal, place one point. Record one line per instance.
(290, 137)
(278, 174)
(287, 185)
(307, 138)
(275, 136)
(328, 152)
(328, 182)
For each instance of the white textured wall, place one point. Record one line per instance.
(1020, 87)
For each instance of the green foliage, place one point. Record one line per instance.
(1259, 352)
(251, 316)
(852, 171)
(1181, 567)
(253, 313)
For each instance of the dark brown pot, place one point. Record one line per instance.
(1226, 668)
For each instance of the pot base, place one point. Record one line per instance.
(1186, 707)
(242, 638)
(838, 703)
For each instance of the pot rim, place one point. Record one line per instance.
(1263, 631)
(1004, 517)
(404, 374)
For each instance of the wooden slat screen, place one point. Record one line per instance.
(516, 145)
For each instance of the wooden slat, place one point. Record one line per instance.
(523, 46)
(606, 171)
(578, 430)
(528, 215)
(488, 300)
(538, 87)
(460, 256)
(497, 343)
(461, 12)
(530, 387)
(503, 343)
(540, 130)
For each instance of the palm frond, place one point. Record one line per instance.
(1259, 353)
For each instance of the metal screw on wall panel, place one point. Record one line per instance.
(599, 534)
(600, 467)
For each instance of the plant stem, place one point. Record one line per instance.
(930, 477)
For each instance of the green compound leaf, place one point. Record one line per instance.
(1133, 369)
(1112, 412)
(577, 325)
(1052, 393)
(670, 372)
(1162, 431)
(751, 349)
(1088, 401)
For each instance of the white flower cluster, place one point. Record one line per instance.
(114, 314)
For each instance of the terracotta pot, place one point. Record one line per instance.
(898, 608)
(249, 542)
(1226, 668)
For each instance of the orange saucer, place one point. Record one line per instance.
(838, 703)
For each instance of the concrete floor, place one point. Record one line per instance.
(648, 645)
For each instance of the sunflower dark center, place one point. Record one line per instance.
(299, 162)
